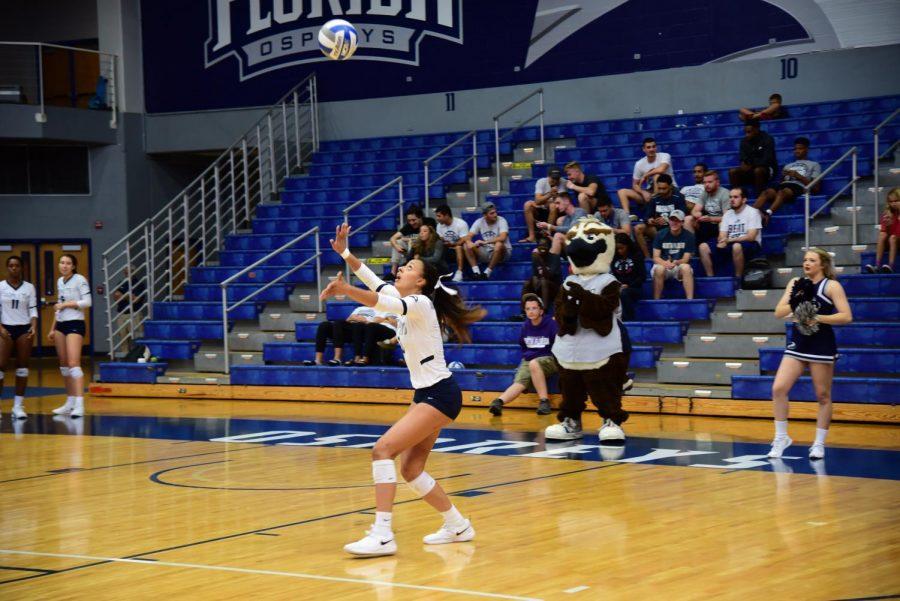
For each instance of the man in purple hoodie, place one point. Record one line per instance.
(538, 334)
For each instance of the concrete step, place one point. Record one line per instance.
(531, 150)
(826, 235)
(254, 340)
(782, 275)
(517, 169)
(842, 254)
(281, 320)
(732, 346)
(746, 322)
(685, 370)
(212, 359)
(460, 199)
(303, 302)
(660, 389)
(757, 300)
(191, 377)
(843, 215)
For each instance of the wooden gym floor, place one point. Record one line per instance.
(150, 498)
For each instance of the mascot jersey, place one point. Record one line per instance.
(587, 349)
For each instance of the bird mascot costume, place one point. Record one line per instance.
(589, 346)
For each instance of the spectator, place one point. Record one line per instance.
(646, 172)
(128, 307)
(628, 267)
(738, 235)
(672, 252)
(615, 218)
(888, 235)
(536, 339)
(712, 204)
(589, 188)
(494, 246)
(775, 110)
(661, 205)
(568, 214)
(381, 329)
(692, 193)
(543, 207)
(429, 248)
(401, 241)
(452, 231)
(546, 273)
(758, 162)
(794, 177)
(339, 331)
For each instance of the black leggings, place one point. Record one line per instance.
(629, 297)
(339, 331)
(368, 338)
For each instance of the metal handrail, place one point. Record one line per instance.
(877, 157)
(399, 204)
(224, 284)
(854, 177)
(426, 164)
(540, 93)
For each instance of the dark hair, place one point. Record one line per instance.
(751, 123)
(445, 209)
(73, 259)
(705, 168)
(15, 258)
(451, 310)
(741, 189)
(604, 201)
(414, 210)
(664, 178)
(647, 141)
(623, 238)
(775, 97)
(531, 296)
(802, 141)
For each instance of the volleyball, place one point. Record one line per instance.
(338, 39)
(455, 365)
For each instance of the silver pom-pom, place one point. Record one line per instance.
(804, 314)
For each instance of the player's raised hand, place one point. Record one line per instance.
(341, 233)
(335, 287)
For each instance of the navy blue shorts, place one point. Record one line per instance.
(15, 332)
(751, 250)
(445, 396)
(76, 326)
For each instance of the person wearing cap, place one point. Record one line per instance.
(739, 234)
(667, 199)
(493, 247)
(543, 207)
(536, 339)
(673, 248)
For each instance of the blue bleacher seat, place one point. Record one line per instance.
(862, 333)
(858, 360)
(171, 349)
(196, 311)
(844, 389)
(132, 373)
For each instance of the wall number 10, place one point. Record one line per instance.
(789, 68)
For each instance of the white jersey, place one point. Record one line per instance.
(77, 289)
(17, 305)
(418, 330)
(453, 233)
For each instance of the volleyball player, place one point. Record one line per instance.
(67, 334)
(18, 324)
(423, 304)
(817, 349)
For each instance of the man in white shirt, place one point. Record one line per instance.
(543, 207)
(692, 193)
(452, 231)
(494, 246)
(739, 234)
(644, 176)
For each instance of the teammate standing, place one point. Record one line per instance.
(67, 333)
(18, 324)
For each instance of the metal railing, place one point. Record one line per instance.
(474, 158)
(155, 258)
(44, 74)
(877, 156)
(397, 205)
(854, 177)
(498, 138)
(314, 231)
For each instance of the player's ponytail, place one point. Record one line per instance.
(451, 310)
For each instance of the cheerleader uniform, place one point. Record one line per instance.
(820, 347)
(17, 308)
(76, 288)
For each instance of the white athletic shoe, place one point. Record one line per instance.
(567, 429)
(458, 276)
(611, 432)
(817, 451)
(65, 409)
(77, 411)
(373, 545)
(448, 534)
(779, 445)
(19, 413)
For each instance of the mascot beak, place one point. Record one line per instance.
(582, 253)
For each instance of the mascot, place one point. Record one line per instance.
(589, 345)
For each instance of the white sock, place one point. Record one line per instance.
(452, 517)
(79, 402)
(488, 271)
(821, 433)
(70, 401)
(383, 521)
(17, 402)
(476, 269)
(780, 428)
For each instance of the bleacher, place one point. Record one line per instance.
(724, 343)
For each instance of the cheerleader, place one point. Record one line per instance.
(67, 333)
(423, 304)
(814, 302)
(18, 324)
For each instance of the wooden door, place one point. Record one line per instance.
(48, 257)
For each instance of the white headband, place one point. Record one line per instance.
(440, 285)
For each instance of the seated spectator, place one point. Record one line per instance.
(339, 331)
(543, 207)
(381, 329)
(661, 205)
(794, 177)
(672, 252)
(129, 307)
(646, 172)
(568, 214)
(712, 205)
(692, 193)
(758, 162)
(888, 235)
(536, 338)
(589, 188)
(546, 274)
(401, 241)
(428, 248)
(615, 218)
(628, 267)
(452, 231)
(775, 110)
(739, 234)
(494, 246)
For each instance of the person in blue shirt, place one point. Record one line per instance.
(672, 252)
(667, 199)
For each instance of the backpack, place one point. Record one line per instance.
(138, 351)
(757, 274)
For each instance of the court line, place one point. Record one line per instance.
(45, 571)
(172, 564)
(897, 596)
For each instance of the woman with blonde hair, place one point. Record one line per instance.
(889, 234)
(814, 302)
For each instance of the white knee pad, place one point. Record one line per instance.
(384, 471)
(65, 371)
(76, 372)
(422, 484)
(1, 376)
(22, 372)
